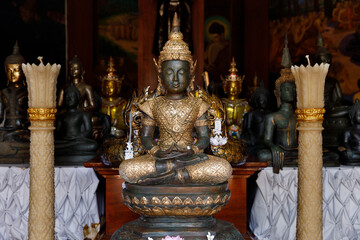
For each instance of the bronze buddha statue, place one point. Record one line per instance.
(336, 118)
(232, 149)
(73, 143)
(14, 135)
(235, 107)
(175, 186)
(254, 120)
(175, 158)
(76, 76)
(112, 103)
(280, 134)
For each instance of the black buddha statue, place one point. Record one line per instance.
(176, 187)
(73, 143)
(336, 118)
(14, 135)
(254, 120)
(76, 77)
(280, 136)
(351, 139)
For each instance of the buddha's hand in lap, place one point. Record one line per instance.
(173, 154)
(278, 157)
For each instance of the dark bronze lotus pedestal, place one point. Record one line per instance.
(171, 210)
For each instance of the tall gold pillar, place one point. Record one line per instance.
(310, 82)
(41, 82)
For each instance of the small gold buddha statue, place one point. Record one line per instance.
(235, 107)
(175, 158)
(231, 149)
(112, 104)
(76, 76)
(14, 135)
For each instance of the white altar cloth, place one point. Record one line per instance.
(273, 214)
(75, 202)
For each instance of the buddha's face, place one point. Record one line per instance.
(324, 59)
(233, 88)
(261, 101)
(14, 73)
(175, 76)
(71, 99)
(287, 92)
(76, 70)
(110, 88)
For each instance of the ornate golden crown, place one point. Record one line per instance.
(111, 73)
(175, 48)
(233, 76)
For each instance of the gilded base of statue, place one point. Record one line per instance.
(176, 210)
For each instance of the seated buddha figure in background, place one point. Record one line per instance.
(14, 135)
(280, 134)
(234, 106)
(351, 139)
(254, 120)
(76, 76)
(175, 158)
(73, 143)
(111, 102)
(336, 118)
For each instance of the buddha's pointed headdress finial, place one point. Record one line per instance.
(111, 72)
(322, 55)
(15, 57)
(320, 40)
(285, 73)
(175, 48)
(76, 60)
(233, 76)
(286, 58)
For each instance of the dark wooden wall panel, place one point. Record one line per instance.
(256, 39)
(80, 34)
(198, 39)
(147, 74)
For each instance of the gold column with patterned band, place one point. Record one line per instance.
(310, 83)
(41, 81)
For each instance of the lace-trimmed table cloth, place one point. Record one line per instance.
(273, 214)
(75, 202)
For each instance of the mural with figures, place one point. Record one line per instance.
(337, 21)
